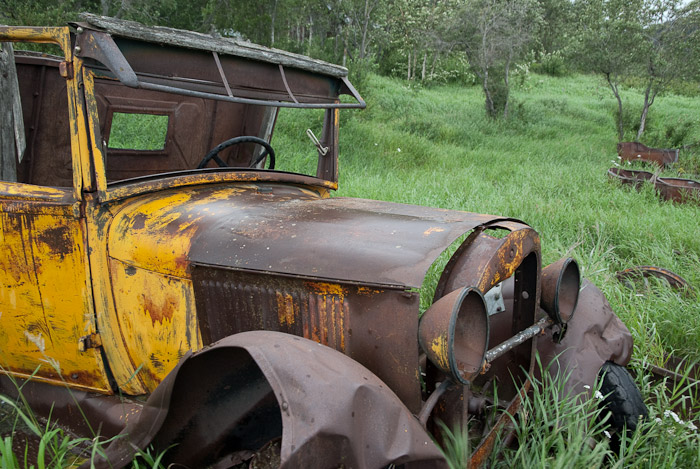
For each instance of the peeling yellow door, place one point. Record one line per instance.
(45, 293)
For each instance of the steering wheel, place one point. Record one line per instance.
(214, 153)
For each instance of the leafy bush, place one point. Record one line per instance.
(552, 64)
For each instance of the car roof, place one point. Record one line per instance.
(210, 43)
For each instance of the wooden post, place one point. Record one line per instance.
(12, 142)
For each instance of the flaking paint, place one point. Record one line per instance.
(440, 348)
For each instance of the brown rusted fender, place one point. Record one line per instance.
(594, 335)
(220, 403)
(675, 280)
(674, 189)
(635, 151)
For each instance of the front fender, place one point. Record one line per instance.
(594, 335)
(244, 390)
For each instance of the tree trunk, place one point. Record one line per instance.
(506, 81)
(435, 59)
(408, 75)
(422, 73)
(648, 101)
(620, 123)
(490, 109)
(311, 29)
(104, 7)
(365, 28)
(335, 43)
(125, 6)
(273, 18)
(415, 62)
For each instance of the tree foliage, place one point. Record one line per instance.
(653, 43)
(495, 35)
(647, 40)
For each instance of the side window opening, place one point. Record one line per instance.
(136, 131)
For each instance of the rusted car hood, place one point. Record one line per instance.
(286, 230)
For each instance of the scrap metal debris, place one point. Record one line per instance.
(674, 189)
(677, 282)
(635, 151)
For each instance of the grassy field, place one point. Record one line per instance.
(547, 166)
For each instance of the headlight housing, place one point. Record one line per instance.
(454, 333)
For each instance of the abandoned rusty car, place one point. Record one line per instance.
(167, 275)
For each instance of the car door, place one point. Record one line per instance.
(47, 320)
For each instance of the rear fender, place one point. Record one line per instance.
(244, 390)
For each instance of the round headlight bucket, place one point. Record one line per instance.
(454, 333)
(560, 288)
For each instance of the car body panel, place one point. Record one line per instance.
(49, 308)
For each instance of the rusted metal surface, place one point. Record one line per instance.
(644, 271)
(328, 409)
(673, 189)
(47, 159)
(289, 231)
(631, 177)
(635, 151)
(273, 78)
(536, 329)
(454, 334)
(679, 190)
(189, 39)
(594, 335)
(484, 261)
(79, 412)
(364, 322)
(480, 455)
(560, 286)
(681, 378)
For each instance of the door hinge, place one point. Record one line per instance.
(89, 341)
(65, 69)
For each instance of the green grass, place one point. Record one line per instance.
(138, 131)
(547, 166)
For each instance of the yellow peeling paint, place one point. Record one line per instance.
(156, 232)
(286, 310)
(430, 231)
(440, 349)
(326, 289)
(46, 301)
(366, 291)
(509, 256)
(157, 318)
